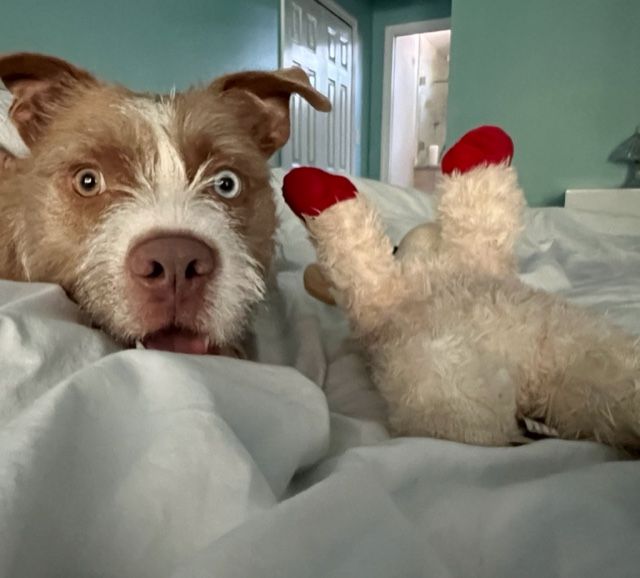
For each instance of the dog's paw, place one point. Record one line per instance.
(309, 191)
(485, 145)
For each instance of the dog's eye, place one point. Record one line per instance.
(88, 182)
(227, 184)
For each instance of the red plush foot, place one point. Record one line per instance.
(309, 191)
(485, 145)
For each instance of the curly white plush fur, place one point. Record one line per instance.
(459, 347)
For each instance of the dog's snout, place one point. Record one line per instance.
(171, 264)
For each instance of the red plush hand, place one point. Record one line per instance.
(309, 191)
(484, 145)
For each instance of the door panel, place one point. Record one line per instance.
(321, 43)
(339, 74)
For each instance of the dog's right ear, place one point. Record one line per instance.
(38, 84)
(266, 96)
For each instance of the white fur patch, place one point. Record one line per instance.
(165, 171)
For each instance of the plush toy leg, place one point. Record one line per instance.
(357, 257)
(594, 390)
(442, 388)
(480, 216)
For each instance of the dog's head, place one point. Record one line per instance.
(155, 213)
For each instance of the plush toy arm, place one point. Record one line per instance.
(481, 204)
(353, 249)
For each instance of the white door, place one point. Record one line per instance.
(321, 43)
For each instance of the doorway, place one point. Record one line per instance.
(416, 82)
(320, 37)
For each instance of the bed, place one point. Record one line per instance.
(146, 464)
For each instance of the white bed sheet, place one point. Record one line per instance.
(146, 464)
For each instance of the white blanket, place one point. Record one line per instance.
(146, 464)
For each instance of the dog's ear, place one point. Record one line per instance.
(11, 145)
(266, 97)
(38, 84)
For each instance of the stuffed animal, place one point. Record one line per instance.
(458, 346)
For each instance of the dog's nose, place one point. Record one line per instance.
(171, 265)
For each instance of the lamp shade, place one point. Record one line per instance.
(629, 150)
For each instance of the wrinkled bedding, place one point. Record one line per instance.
(148, 464)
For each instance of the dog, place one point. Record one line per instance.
(153, 212)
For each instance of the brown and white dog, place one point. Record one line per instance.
(154, 213)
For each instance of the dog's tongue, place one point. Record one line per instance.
(178, 341)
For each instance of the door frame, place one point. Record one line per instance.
(390, 35)
(356, 103)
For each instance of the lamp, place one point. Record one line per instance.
(629, 152)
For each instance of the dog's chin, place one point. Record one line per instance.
(179, 340)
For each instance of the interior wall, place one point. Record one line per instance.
(147, 44)
(403, 137)
(562, 77)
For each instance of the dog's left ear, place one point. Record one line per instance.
(38, 84)
(266, 97)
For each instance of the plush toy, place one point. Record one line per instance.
(458, 346)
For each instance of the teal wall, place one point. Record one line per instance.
(387, 13)
(147, 44)
(562, 76)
